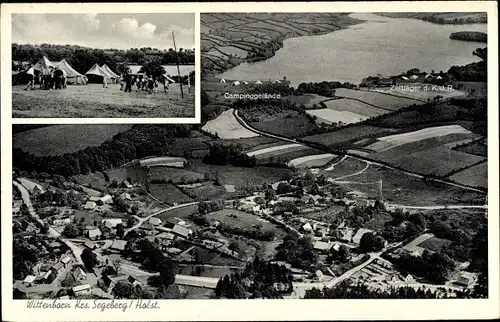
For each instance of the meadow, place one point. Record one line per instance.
(93, 101)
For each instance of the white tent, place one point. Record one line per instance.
(236, 83)
(222, 81)
(246, 83)
(276, 82)
(72, 76)
(258, 82)
(413, 77)
(404, 77)
(109, 71)
(44, 62)
(439, 77)
(428, 76)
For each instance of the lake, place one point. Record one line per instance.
(380, 45)
(170, 69)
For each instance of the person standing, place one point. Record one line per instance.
(31, 78)
(64, 78)
(122, 82)
(165, 85)
(51, 78)
(128, 83)
(104, 82)
(58, 78)
(151, 85)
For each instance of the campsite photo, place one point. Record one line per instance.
(103, 65)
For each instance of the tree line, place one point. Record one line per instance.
(138, 142)
(83, 58)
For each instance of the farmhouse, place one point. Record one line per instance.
(29, 280)
(107, 199)
(112, 222)
(322, 246)
(94, 233)
(119, 245)
(57, 268)
(466, 279)
(90, 205)
(84, 289)
(66, 260)
(79, 274)
(155, 221)
(181, 231)
(165, 237)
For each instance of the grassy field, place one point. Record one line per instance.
(476, 176)
(275, 150)
(344, 168)
(380, 100)
(225, 126)
(168, 193)
(308, 100)
(238, 219)
(93, 100)
(408, 190)
(312, 161)
(476, 148)
(422, 94)
(286, 123)
(354, 106)
(478, 89)
(347, 136)
(208, 191)
(66, 138)
(175, 174)
(435, 244)
(251, 143)
(182, 213)
(329, 116)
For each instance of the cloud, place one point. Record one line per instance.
(92, 22)
(130, 27)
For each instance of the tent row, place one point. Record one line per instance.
(74, 77)
(258, 82)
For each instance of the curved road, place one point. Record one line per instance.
(410, 173)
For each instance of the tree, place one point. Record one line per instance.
(122, 290)
(168, 271)
(234, 246)
(71, 231)
(120, 230)
(369, 242)
(89, 259)
(153, 68)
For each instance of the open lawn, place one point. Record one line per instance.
(175, 174)
(168, 193)
(312, 161)
(286, 123)
(66, 138)
(476, 176)
(225, 126)
(435, 244)
(239, 219)
(354, 106)
(308, 100)
(251, 143)
(329, 116)
(344, 168)
(380, 100)
(408, 190)
(422, 92)
(93, 100)
(346, 136)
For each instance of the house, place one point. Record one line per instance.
(126, 196)
(126, 184)
(346, 234)
(155, 221)
(132, 280)
(90, 205)
(409, 278)
(66, 260)
(181, 231)
(107, 199)
(61, 222)
(57, 268)
(307, 227)
(171, 222)
(94, 233)
(29, 280)
(119, 245)
(84, 289)
(112, 222)
(54, 245)
(79, 274)
(322, 246)
(91, 245)
(357, 238)
(466, 279)
(165, 237)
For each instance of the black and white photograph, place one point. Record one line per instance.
(101, 65)
(337, 154)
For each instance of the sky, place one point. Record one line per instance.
(117, 30)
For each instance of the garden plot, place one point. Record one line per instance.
(391, 141)
(226, 126)
(311, 161)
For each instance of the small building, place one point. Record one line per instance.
(84, 289)
(90, 205)
(222, 81)
(66, 260)
(155, 221)
(29, 280)
(55, 244)
(94, 233)
(112, 222)
(107, 199)
(49, 276)
(258, 82)
(409, 278)
(165, 238)
(57, 268)
(94, 199)
(119, 245)
(181, 231)
(79, 274)
(236, 83)
(134, 281)
(61, 221)
(466, 279)
(171, 222)
(126, 196)
(65, 297)
(126, 184)
(322, 246)
(307, 227)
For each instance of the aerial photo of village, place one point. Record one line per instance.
(338, 156)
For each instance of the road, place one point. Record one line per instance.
(142, 220)
(76, 250)
(437, 207)
(357, 157)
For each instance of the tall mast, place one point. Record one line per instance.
(178, 70)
